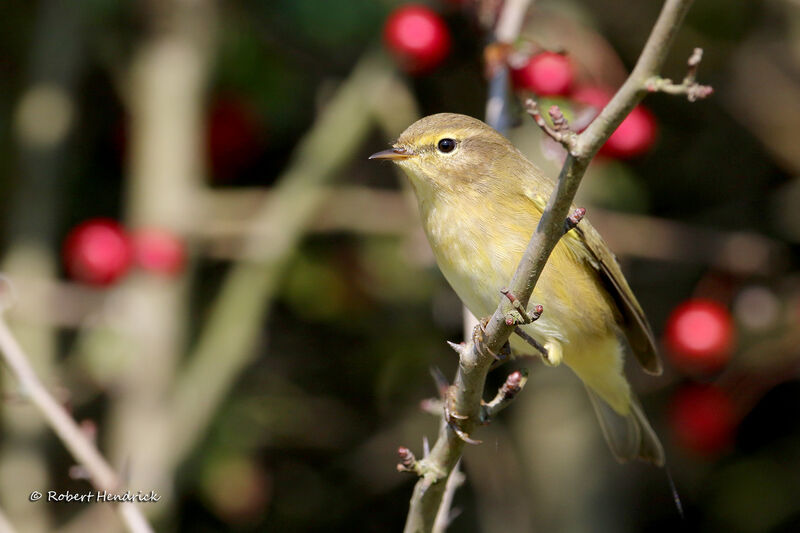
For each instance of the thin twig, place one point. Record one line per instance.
(446, 513)
(473, 365)
(560, 131)
(100, 472)
(509, 23)
(689, 86)
(514, 383)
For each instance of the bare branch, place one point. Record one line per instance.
(74, 438)
(445, 516)
(514, 383)
(475, 361)
(5, 525)
(559, 131)
(689, 86)
(509, 23)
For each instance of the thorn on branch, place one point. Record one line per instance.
(694, 62)
(514, 383)
(457, 347)
(559, 131)
(574, 219)
(463, 435)
(689, 86)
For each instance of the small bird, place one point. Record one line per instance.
(480, 200)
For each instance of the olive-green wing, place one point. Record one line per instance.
(634, 323)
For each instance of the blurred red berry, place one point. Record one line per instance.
(97, 252)
(417, 37)
(233, 137)
(597, 97)
(703, 419)
(699, 336)
(634, 137)
(546, 74)
(158, 251)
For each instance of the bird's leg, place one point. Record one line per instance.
(554, 352)
(477, 338)
(517, 313)
(503, 356)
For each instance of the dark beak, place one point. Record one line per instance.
(393, 154)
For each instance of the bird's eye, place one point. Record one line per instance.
(446, 145)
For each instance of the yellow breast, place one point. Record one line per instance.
(478, 243)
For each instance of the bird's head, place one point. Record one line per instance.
(452, 152)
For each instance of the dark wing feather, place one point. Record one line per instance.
(634, 323)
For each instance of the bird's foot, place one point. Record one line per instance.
(453, 420)
(478, 338)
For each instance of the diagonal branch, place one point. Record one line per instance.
(473, 366)
(100, 472)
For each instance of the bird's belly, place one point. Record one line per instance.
(574, 306)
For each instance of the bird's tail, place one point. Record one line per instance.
(599, 364)
(629, 436)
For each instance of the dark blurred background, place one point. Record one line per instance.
(215, 281)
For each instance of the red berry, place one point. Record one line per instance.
(417, 37)
(634, 137)
(97, 252)
(158, 251)
(546, 74)
(233, 138)
(699, 336)
(703, 419)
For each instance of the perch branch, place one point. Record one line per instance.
(473, 366)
